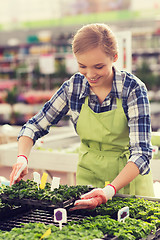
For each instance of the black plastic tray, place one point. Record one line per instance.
(45, 205)
(46, 217)
(38, 215)
(12, 211)
(39, 211)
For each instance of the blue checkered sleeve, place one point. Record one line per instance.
(139, 123)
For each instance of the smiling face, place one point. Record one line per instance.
(96, 66)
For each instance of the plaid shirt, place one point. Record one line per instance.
(70, 97)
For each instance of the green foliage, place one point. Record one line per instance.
(12, 96)
(87, 229)
(3, 206)
(130, 229)
(29, 190)
(36, 230)
(145, 74)
(144, 215)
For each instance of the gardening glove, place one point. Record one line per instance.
(95, 198)
(20, 169)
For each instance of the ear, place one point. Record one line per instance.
(115, 58)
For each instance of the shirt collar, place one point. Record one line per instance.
(118, 81)
(85, 89)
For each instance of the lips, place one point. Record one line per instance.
(93, 80)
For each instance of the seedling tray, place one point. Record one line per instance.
(31, 210)
(28, 202)
(38, 215)
(31, 203)
(49, 206)
(46, 217)
(12, 211)
(154, 199)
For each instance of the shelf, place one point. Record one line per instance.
(144, 47)
(146, 51)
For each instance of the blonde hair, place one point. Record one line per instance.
(92, 36)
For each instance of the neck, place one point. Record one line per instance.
(103, 90)
(101, 93)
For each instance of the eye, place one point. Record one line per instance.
(99, 67)
(81, 66)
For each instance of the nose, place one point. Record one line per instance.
(90, 74)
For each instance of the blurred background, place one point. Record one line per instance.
(36, 57)
(35, 48)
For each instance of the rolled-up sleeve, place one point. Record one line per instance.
(139, 122)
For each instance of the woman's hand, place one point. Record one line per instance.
(95, 198)
(20, 169)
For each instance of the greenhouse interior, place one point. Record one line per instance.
(80, 119)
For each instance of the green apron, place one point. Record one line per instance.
(104, 150)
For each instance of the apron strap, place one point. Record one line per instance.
(119, 102)
(86, 101)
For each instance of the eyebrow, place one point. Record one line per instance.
(94, 65)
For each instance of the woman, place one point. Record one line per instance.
(110, 113)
